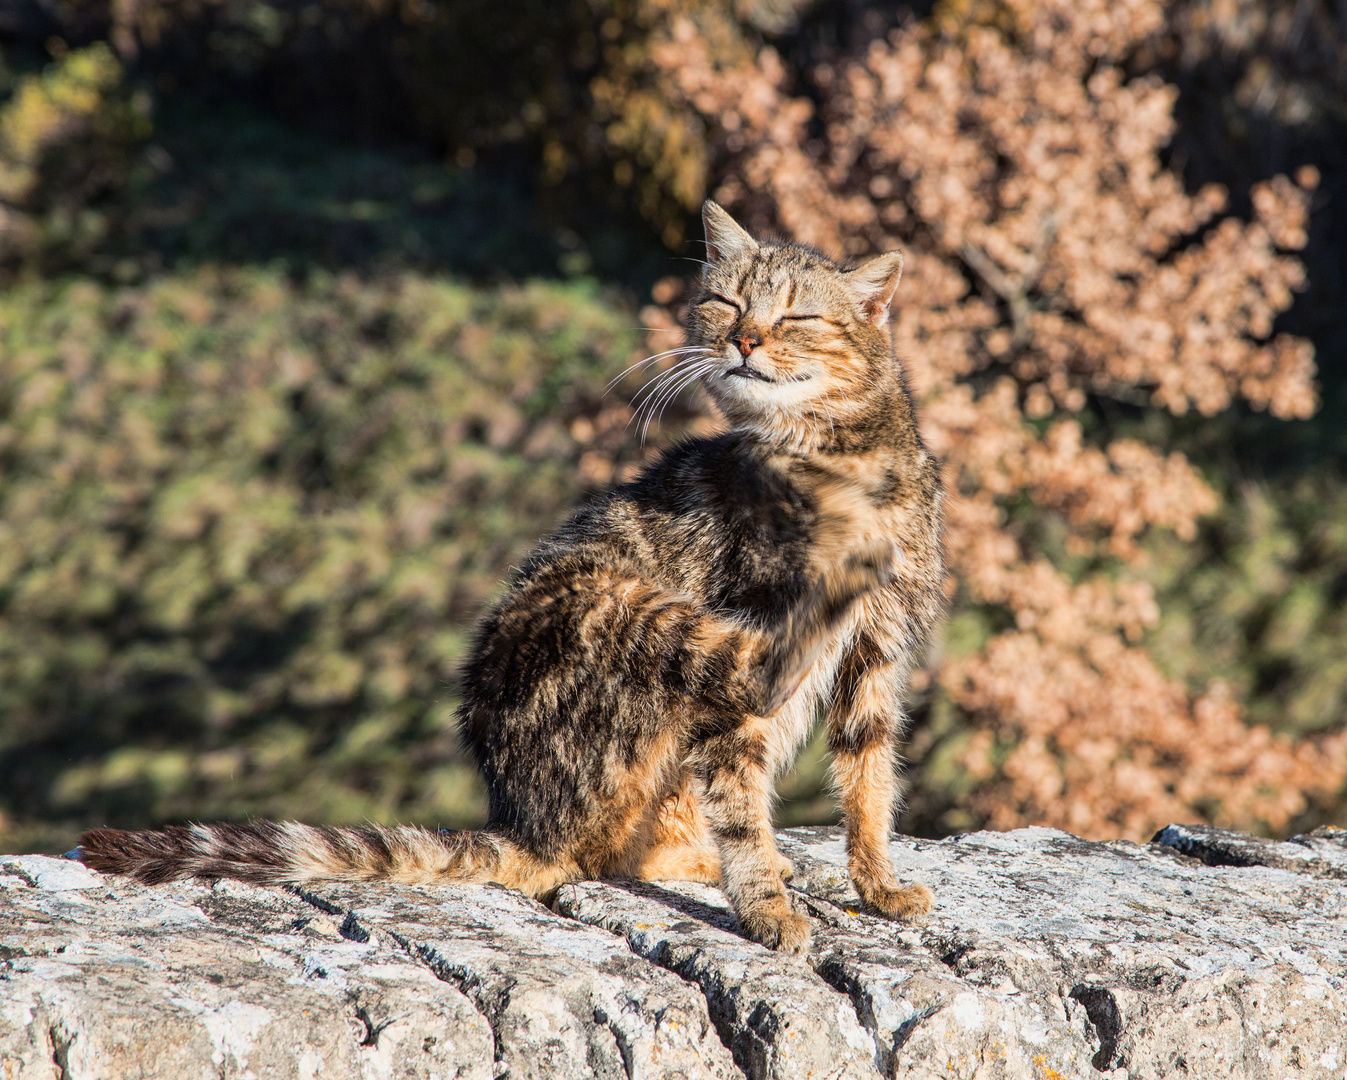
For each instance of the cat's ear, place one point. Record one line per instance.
(725, 237)
(874, 284)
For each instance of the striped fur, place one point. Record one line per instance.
(657, 662)
(288, 853)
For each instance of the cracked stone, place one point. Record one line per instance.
(778, 1017)
(562, 999)
(112, 980)
(1204, 953)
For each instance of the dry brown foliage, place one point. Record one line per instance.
(1051, 257)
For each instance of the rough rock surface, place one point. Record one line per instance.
(1202, 954)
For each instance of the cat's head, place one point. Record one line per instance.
(790, 343)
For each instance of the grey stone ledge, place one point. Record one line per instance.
(1205, 953)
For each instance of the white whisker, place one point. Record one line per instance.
(684, 349)
(655, 384)
(692, 376)
(676, 377)
(660, 356)
(671, 389)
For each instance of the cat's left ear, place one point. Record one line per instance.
(874, 284)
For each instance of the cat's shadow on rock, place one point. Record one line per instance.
(698, 913)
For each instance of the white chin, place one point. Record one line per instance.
(766, 396)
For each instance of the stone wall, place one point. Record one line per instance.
(1201, 954)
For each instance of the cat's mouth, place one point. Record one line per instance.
(747, 371)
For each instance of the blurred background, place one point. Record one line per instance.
(308, 308)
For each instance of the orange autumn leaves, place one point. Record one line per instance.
(1053, 259)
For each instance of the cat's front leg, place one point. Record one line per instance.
(736, 784)
(863, 724)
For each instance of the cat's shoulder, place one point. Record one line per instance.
(731, 466)
(691, 458)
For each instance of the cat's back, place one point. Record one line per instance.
(709, 527)
(711, 517)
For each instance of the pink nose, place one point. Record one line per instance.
(747, 342)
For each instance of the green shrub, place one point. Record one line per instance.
(245, 525)
(1259, 602)
(66, 137)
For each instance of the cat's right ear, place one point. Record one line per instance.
(725, 237)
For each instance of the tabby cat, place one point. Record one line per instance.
(658, 661)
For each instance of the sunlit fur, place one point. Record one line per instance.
(657, 662)
(823, 378)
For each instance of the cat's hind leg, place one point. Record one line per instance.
(681, 848)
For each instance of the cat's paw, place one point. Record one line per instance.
(908, 903)
(784, 867)
(777, 927)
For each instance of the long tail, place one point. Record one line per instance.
(287, 853)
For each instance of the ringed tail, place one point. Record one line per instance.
(288, 853)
